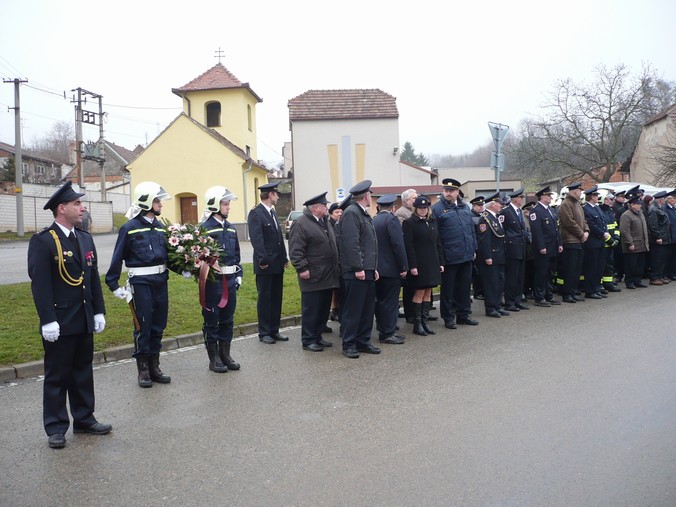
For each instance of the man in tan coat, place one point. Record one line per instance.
(634, 235)
(574, 231)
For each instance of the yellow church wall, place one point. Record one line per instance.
(234, 115)
(185, 160)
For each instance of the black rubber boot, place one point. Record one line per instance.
(426, 316)
(417, 320)
(143, 372)
(215, 362)
(224, 351)
(156, 374)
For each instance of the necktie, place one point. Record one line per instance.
(76, 243)
(519, 215)
(274, 217)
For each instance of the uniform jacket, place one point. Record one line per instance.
(423, 250)
(544, 231)
(357, 241)
(671, 213)
(267, 242)
(456, 230)
(658, 224)
(516, 233)
(633, 231)
(226, 236)
(618, 209)
(597, 226)
(139, 244)
(391, 250)
(73, 307)
(313, 247)
(490, 239)
(572, 225)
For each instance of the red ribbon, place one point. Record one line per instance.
(203, 274)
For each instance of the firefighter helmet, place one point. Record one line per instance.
(146, 192)
(214, 195)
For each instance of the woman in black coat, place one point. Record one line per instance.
(425, 254)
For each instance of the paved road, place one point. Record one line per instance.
(566, 406)
(13, 256)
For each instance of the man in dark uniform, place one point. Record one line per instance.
(593, 259)
(142, 245)
(63, 267)
(269, 262)
(491, 255)
(670, 209)
(546, 248)
(314, 255)
(606, 201)
(456, 229)
(220, 294)
(358, 249)
(659, 234)
(529, 268)
(477, 210)
(516, 240)
(392, 268)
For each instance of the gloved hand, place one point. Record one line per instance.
(50, 332)
(120, 292)
(238, 282)
(99, 323)
(186, 274)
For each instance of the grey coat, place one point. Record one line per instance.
(633, 231)
(313, 247)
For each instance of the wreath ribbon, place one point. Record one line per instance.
(203, 275)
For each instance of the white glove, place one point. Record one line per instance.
(50, 332)
(238, 282)
(120, 292)
(99, 323)
(186, 274)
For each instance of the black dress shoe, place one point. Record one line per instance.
(631, 286)
(468, 321)
(569, 299)
(392, 340)
(278, 337)
(543, 303)
(604, 295)
(641, 285)
(450, 324)
(327, 329)
(578, 297)
(324, 343)
(554, 301)
(351, 353)
(512, 308)
(593, 296)
(504, 313)
(521, 306)
(603, 292)
(493, 313)
(95, 429)
(613, 289)
(266, 339)
(313, 347)
(368, 349)
(57, 441)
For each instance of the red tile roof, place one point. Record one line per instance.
(342, 104)
(216, 78)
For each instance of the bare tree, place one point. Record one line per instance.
(590, 129)
(57, 144)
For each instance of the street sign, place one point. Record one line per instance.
(498, 132)
(498, 161)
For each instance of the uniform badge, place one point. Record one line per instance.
(89, 257)
(501, 218)
(533, 216)
(482, 227)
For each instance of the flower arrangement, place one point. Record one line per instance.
(189, 247)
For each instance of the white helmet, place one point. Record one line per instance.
(214, 195)
(556, 199)
(146, 192)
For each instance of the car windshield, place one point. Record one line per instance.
(294, 215)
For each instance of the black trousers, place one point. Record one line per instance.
(477, 284)
(151, 303)
(618, 260)
(658, 259)
(494, 278)
(544, 270)
(68, 371)
(572, 260)
(218, 322)
(455, 296)
(315, 308)
(269, 304)
(634, 265)
(358, 310)
(670, 264)
(593, 264)
(387, 305)
(515, 270)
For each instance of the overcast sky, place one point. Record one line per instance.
(451, 68)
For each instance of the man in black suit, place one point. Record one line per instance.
(546, 248)
(490, 255)
(516, 239)
(269, 262)
(63, 267)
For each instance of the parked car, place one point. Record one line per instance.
(289, 221)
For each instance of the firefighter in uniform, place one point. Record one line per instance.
(593, 259)
(607, 281)
(546, 248)
(516, 243)
(142, 245)
(477, 210)
(220, 294)
(491, 255)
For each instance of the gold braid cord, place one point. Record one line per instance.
(492, 225)
(63, 272)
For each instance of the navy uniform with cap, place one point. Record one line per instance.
(392, 268)
(546, 248)
(670, 264)
(516, 244)
(358, 249)
(594, 261)
(269, 262)
(63, 267)
(659, 234)
(314, 255)
(491, 255)
(477, 209)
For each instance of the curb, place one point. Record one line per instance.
(37, 368)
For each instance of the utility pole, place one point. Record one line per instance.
(498, 132)
(92, 152)
(18, 156)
